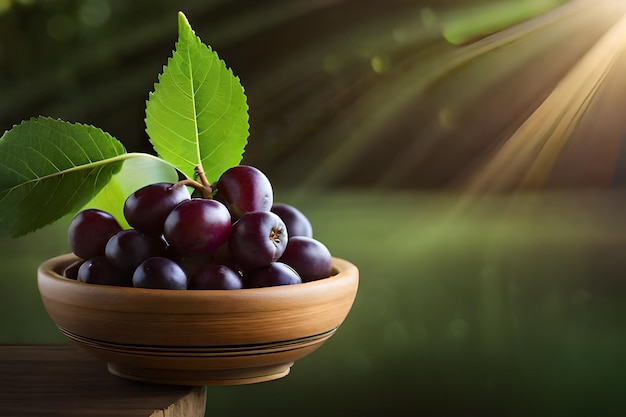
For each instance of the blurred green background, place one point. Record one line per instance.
(466, 155)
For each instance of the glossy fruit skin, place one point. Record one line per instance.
(223, 256)
(197, 226)
(297, 223)
(310, 258)
(215, 277)
(276, 273)
(244, 189)
(99, 270)
(71, 271)
(128, 248)
(257, 239)
(238, 238)
(89, 231)
(192, 263)
(147, 208)
(160, 273)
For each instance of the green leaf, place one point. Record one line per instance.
(135, 173)
(50, 167)
(197, 114)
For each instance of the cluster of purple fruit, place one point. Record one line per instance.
(239, 238)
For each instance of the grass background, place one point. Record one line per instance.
(499, 306)
(508, 305)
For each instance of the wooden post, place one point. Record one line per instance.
(62, 380)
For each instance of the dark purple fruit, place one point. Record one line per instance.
(71, 271)
(244, 189)
(128, 248)
(277, 273)
(99, 270)
(215, 277)
(310, 258)
(89, 231)
(197, 226)
(297, 223)
(192, 263)
(160, 273)
(147, 208)
(257, 239)
(223, 256)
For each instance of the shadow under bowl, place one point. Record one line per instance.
(198, 337)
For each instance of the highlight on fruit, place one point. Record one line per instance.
(192, 216)
(235, 240)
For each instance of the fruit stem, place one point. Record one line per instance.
(204, 187)
(205, 183)
(207, 190)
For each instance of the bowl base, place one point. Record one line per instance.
(200, 377)
(199, 337)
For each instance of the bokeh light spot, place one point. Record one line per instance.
(380, 64)
(94, 13)
(400, 35)
(428, 17)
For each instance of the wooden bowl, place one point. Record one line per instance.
(198, 337)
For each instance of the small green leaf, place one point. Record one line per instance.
(197, 114)
(135, 173)
(50, 167)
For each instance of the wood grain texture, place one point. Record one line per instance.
(60, 380)
(198, 337)
(198, 317)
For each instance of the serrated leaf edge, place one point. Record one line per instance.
(184, 25)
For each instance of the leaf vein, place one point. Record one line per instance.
(171, 130)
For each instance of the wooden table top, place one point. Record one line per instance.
(62, 380)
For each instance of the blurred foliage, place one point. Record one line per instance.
(500, 307)
(341, 92)
(508, 305)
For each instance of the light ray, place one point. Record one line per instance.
(526, 158)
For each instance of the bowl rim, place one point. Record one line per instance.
(343, 281)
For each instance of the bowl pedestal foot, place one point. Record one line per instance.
(201, 377)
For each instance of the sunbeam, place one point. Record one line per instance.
(527, 157)
(478, 96)
(492, 114)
